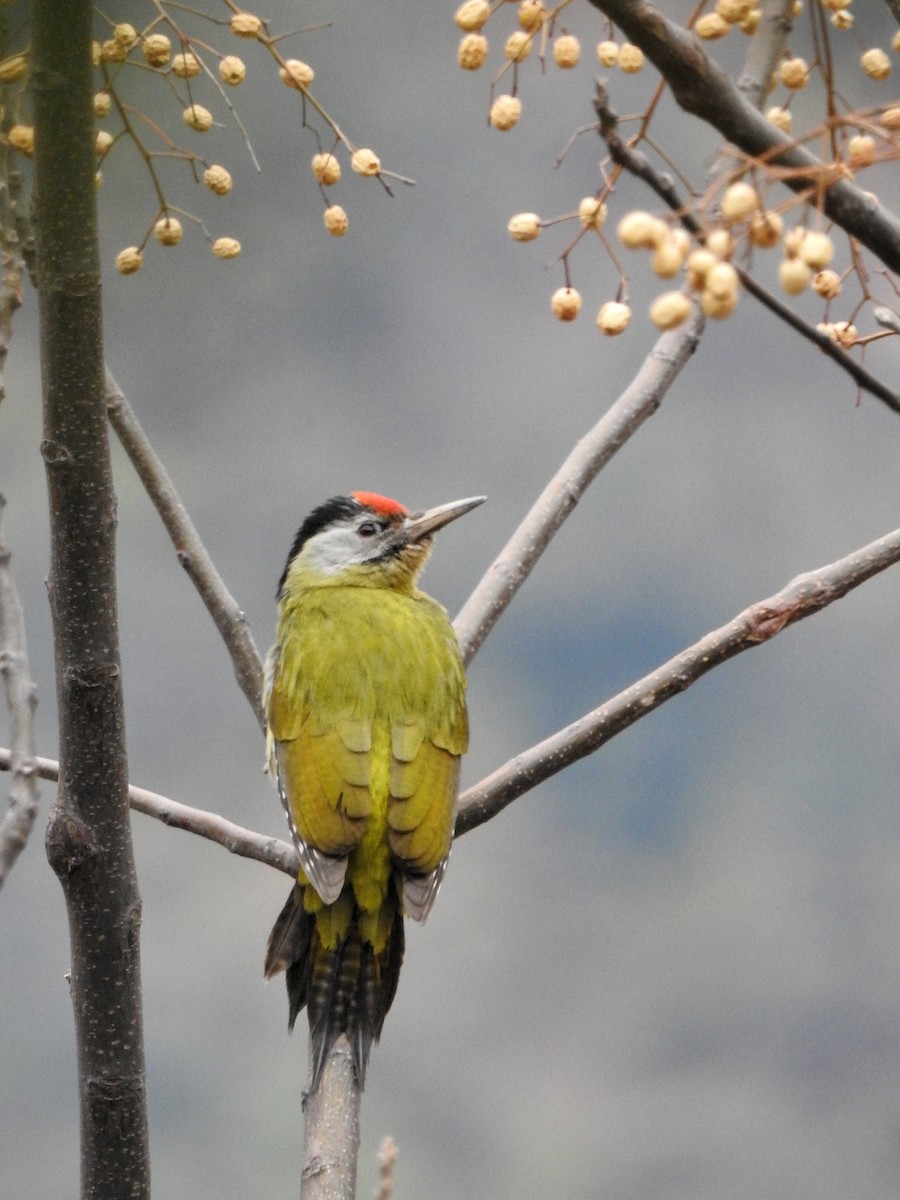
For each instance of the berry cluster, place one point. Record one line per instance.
(709, 240)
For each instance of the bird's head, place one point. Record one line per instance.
(365, 540)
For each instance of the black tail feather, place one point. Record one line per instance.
(346, 989)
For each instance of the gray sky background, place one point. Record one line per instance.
(670, 972)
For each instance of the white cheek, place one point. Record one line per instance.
(333, 551)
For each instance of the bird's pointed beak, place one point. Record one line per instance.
(420, 525)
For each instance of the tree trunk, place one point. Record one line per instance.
(89, 836)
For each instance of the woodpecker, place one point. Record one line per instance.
(366, 723)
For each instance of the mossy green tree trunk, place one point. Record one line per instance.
(89, 837)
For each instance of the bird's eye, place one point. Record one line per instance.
(367, 529)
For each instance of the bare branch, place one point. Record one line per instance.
(192, 554)
(639, 165)
(244, 842)
(703, 88)
(387, 1159)
(518, 557)
(802, 597)
(21, 699)
(331, 1131)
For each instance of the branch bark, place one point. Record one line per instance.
(802, 597)
(89, 835)
(21, 699)
(702, 88)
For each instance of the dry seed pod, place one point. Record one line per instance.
(226, 247)
(197, 117)
(711, 26)
(607, 53)
(876, 64)
(217, 179)
(129, 260)
(336, 221)
(156, 49)
(518, 45)
(613, 318)
(566, 51)
(827, 284)
(365, 162)
(641, 230)
(472, 52)
(739, 201)
(232, 70)
(591, 213)
(326, 169)
(296, 74)
(670, 310)
(794, 73)
(766, 229)
(505, 112)
(531, 15)
(780, 118)
(524, 227)
(168, 231)
(245, 25)
(816, 250)
(861, 151)
(793, 275)
(472, 15)
(631, 58)
(186, 65)
(565, 303)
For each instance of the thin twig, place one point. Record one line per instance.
(245, 843)
(704, 89)
(192, 554)
(638, 164)
(518, 557)
(21, 699)
(387, 1159)
(802, 597)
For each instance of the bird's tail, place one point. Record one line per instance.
(345, 980)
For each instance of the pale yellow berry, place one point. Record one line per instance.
(125, 35)
(796, 8)
(766, 229)
(472, 52)
(613, 318)
(631, 58)
(718, 306)
(607, 53)
(827, 284)
(566, 51)
(565, 304)
(197, 117)
(113, 52)
(711, 26)
(842, 20)
(734, 10)
(472, 15)
(699, 263)
(96, 50)
(721, 243)
(217, 179)
(780, 118)
(890, 118)
(102, 104)
(641, 230)
(794, 73)
(518, 45)
(739, 201)
(326, 169)
(336, 221)
(129, 260)
(668, 257)
(816, 250)
(245, 25)
(226, 247)
(876, 64)
(895, 41)
(843, 333)
(721, 278)
(591, 213)
(793, 240)
(21, 138)
(531, 15)
(168, 231)
(505, 112)
(365, 162)
(102, 142)
(524, 227)
(296, 74)
(156, 49)
(750, 23)
(793, 275)
(232, 70)
(670, 310)
(185, 65)
(861, 151)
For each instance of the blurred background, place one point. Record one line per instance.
(672, 971)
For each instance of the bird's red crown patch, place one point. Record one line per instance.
(381, 504)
